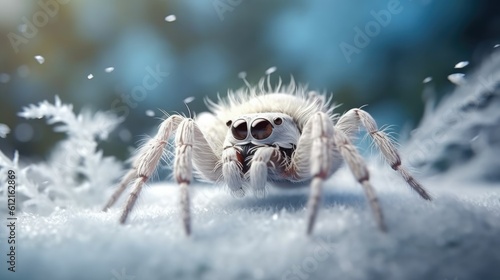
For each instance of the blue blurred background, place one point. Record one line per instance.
(162, 52)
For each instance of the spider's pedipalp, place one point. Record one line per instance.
(232, 171)
(355, 118)
(261, 161)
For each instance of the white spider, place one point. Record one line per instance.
(262, 134)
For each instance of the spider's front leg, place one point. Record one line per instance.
(183, 167)
(189, 140)
(151, 153)
(146, 161)
(356, 118)
(131, 175)
(319, 153)
(316, 158)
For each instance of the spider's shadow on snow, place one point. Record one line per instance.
(296, 200)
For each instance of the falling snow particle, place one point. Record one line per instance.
(22, 28)
(4, 78)
(457, 78)
(189, 99)
(40, 59)
(461, 64)
(170, 18)
(474, 138)
(242, 75)
(427, 80)
(109, 69)
(150, 113)
(275, 216)
(90, 76)
(271, 70)
(4, 130)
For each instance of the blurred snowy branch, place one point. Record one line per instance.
(463, 130)
(76, 171)
(97, 125)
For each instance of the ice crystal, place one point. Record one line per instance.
(40, 59)
(457, 78)
(461, 64)
(271, 70)
(170, 18)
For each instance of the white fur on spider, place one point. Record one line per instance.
(259, 135)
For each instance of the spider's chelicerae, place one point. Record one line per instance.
(261, 134)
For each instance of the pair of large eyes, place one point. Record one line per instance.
(260, 128)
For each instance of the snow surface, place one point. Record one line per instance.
(454, 237)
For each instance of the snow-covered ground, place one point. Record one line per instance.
(454, 237)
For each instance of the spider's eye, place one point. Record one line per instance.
(239, 129)
(228, 123)
(261, 129)
(278, 121)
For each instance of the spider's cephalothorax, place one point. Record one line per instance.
(262, 134)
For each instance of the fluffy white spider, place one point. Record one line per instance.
(261, 134)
